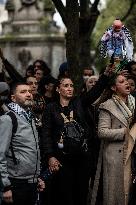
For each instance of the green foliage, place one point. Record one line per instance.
(48, 5)
(115, 9)
(10, 5)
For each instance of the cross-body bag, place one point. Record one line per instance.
(72, 139)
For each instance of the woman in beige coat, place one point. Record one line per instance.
(114, 120)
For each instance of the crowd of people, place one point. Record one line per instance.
(51, 140)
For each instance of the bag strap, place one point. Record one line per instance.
(65, 117)
(14, 129)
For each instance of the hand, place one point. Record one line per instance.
(124, 72)
(41, 185)
(54, 164)
(7, 197)
(109, 70)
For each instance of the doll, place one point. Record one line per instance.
(117, 42)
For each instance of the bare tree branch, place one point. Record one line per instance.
(61, 9)
(133, 2)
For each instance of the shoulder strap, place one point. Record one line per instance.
(65, 117)
(14, 129)
(14, 121)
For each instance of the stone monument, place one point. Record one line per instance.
(31, 33)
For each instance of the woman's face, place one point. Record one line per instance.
(91, 82)
(121, 87)
(66, 88)
(38, 74)
(133, 69)
(132, 85)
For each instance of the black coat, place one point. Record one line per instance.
(53, 121)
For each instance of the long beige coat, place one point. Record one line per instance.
(116, 177)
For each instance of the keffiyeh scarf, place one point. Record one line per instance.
(127, 110)
(27, 115)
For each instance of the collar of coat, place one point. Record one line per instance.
(112, 108)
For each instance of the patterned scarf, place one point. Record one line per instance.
(27, 115)
(127, 110)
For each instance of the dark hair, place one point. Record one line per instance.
(60, 78)
(15, 85)
(46, 81)
(132, 77)
(129, 66)
(107, 93)
(88, 68)
(58, 82)
(43, 66)
(30, 68)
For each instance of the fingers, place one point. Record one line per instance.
(7, 196)
(124, 72)
(55, 167)
(41, 185)
(54, 164)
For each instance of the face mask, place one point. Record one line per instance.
(85, 77)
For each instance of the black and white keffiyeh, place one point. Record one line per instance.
(27, 115)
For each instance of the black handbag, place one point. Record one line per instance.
(72, 136)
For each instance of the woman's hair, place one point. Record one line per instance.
(107, 93)
(57, 84)
(43, 66)
(129, 65)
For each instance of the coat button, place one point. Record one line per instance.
(119, 150)
(120, 126)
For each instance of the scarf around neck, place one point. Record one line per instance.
(27, 115)
(127, 110)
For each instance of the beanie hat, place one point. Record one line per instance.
(63, 67)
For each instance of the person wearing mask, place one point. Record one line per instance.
(67, 160)
(115, 118)
(20, 156)
(87, 72)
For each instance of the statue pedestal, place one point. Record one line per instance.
(24, 34)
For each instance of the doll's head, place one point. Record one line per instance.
(117, 25)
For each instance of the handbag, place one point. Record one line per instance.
(72, 139)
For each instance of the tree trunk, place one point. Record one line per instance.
(72, 39)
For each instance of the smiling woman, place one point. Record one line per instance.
(114, 120)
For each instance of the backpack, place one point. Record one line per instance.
(72, 139)
(14, 129)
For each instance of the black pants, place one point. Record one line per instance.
(69, 186)
(24, 193)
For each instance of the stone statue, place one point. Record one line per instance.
(24, 57)
(29, 3)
